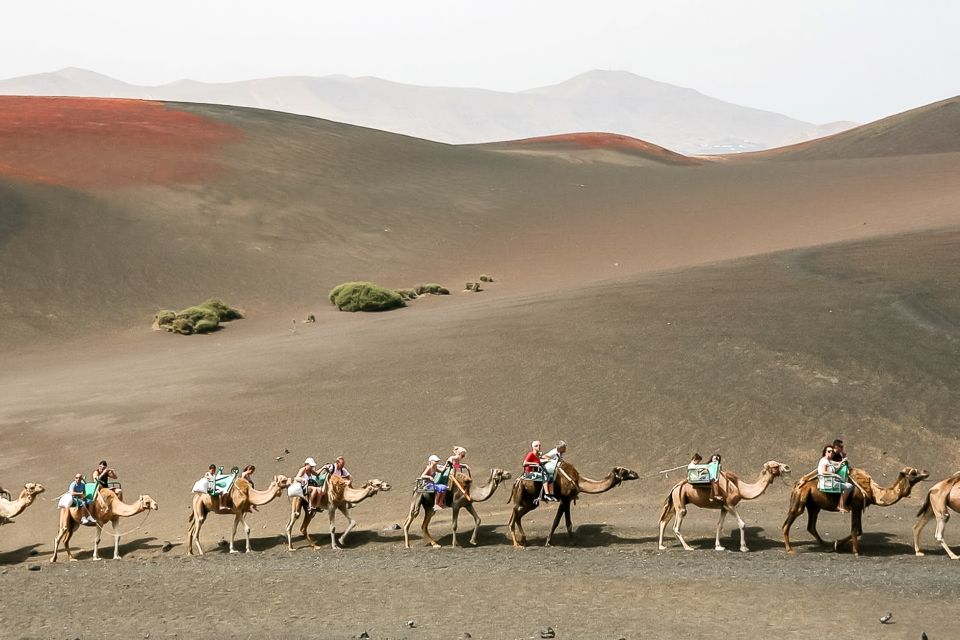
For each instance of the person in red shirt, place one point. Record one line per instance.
(533, 464)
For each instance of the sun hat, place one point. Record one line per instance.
(310, 461)
(433, 458)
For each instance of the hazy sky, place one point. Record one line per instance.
(818, 60)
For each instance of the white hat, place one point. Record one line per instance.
(433, 458)
(310, 461)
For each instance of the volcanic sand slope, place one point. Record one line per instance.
(287, 207)
(598, 330)
(933, 128)
(595, 147)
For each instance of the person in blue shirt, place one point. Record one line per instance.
(78, 493)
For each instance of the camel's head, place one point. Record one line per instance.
(622, 474)
(149, 504)
(913, 476)
(281, 481)
(501, 475)
(776, 469)
(33, 489)
(378, 485)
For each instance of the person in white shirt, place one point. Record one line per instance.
(553, 458)
(828, 467)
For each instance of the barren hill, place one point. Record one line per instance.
(595, 147)
(933, 128)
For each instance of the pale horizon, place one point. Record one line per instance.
(819, 62)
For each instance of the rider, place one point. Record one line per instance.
(428, 479)
(827, 467)
(454, 464)
(307, 476)
(79, 494)
(553, 459)
(215, 492)
(533, 464)
(337, 469)
(102, 476)
(714, 467)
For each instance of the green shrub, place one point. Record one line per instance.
(202, 318)
(432, 288)
(365, 296)
(407, 294)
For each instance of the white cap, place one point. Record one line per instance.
(310, 461)
(433, 458)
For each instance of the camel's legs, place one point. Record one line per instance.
(246, 528)
(96, 542)
(116, 540)
(294, 514)
(304, 528)
(925, 516)
(792, 515)
(856, 528)
(942, 519)
(427, 517)
(406, 525)
(723, 514)
(665, 517)
(515, 525)
(476, 524)
(333, 527)
(455, 515)
(740, 523)
(61, 534)
(197, 523)
(813, 513)
(233, 532)
(676, 528)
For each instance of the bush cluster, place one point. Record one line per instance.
(365, 296)
(203, 318)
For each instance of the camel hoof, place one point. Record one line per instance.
(473, 542)
(435, 545)
(920, 554)
(661, 547)
(234, 551)
(72, 559)
(744, 549)
(719, 548)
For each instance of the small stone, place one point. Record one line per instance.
(392, 527)
(465, 636)
(33, 567)
(364, 636)
(166, 546)
(411, 623)
(548, 632)
(33, 552)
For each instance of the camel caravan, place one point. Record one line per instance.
(546, 478)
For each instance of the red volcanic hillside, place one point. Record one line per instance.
(584, 145)
(91, 143)
(934, 128)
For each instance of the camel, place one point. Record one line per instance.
(460, 500)
(942, 497)
(734, 489)
(806, 495)
(567, 487)
(238, 503)
(338, 496)
(11, 509)
(106, 507)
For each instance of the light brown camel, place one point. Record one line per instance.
(734, 490)
(338, 495)
(12, 508)
(459, 501)
(942, 497)
(106, 507)
(240, 500)
(567, 487)
(806, 495)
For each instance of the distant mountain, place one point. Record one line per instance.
(934, 128)
(680, 119)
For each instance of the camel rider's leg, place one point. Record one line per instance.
(715, 491)
(844, 496)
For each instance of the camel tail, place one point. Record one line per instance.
(796, 505)
(925, 506)
(667, 507)
(190, 518)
